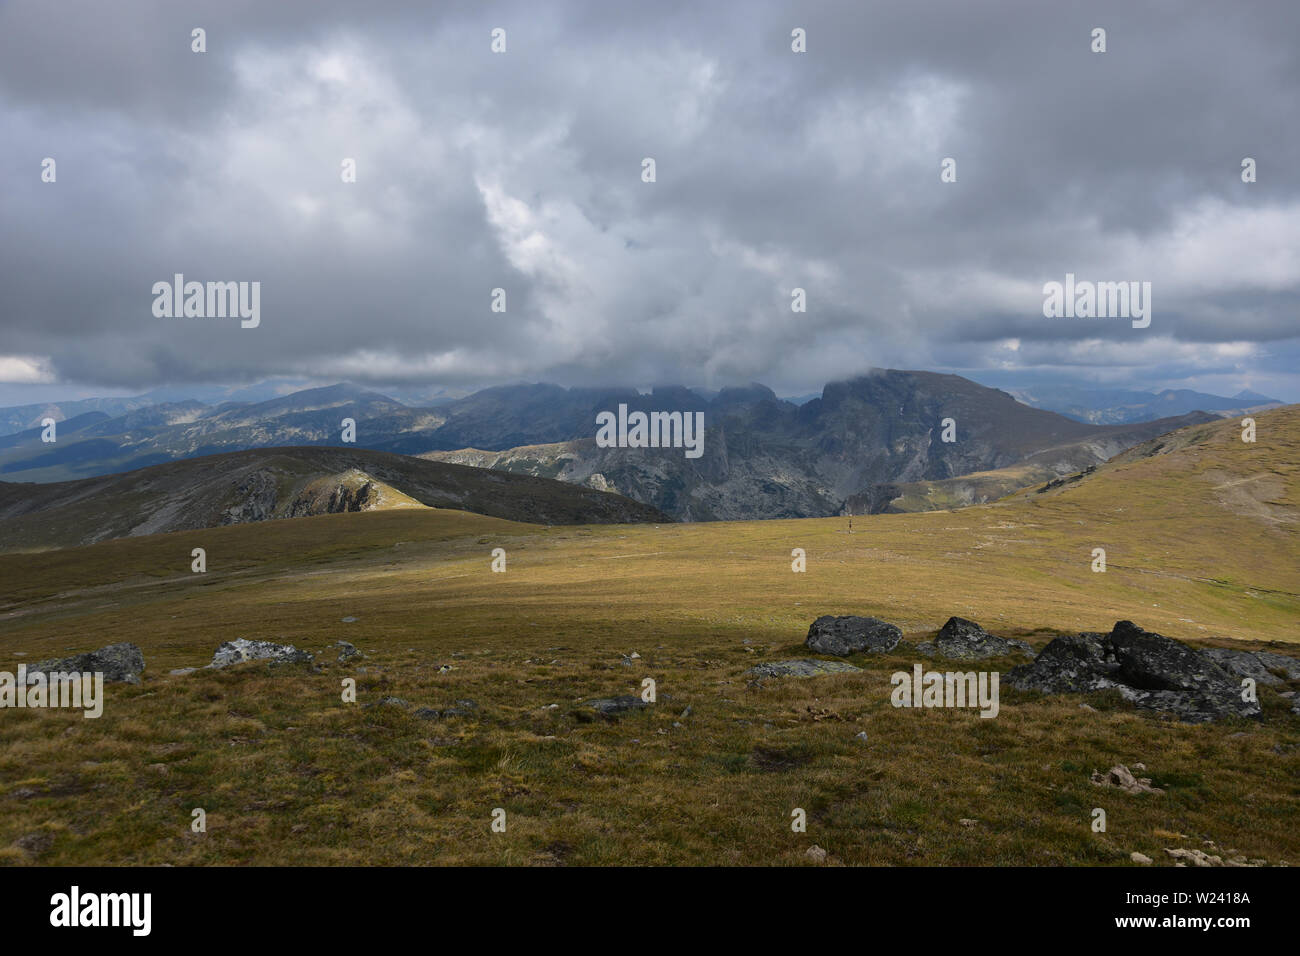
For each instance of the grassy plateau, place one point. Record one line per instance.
(1201, 545)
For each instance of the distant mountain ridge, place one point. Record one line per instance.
(1127, 406)
(763, 456)
(267, 484)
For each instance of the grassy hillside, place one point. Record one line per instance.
(281, 483)
(1201, 545)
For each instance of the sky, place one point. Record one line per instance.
(522, 170)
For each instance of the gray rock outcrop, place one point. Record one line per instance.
(240, 650)
(960, 639)
(1147, 669)
(119, 663)
(1243, 664)
(804, 667)
(841, 636)
(612, 707)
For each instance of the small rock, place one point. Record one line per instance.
(611, 707)
(1119, 777)
(967, 822)
(861, 735)
(1137, 857)
(349, 620)
(347, 651)
(1195, 857)
(182, 671)
(816, 854)
(390, 702)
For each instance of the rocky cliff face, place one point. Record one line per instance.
(766, 458)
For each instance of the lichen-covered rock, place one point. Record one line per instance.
(1289, 666)
(960, 639)
(119, 663)
(1242, 664)
(240, 650)
(1121, 778)
(805, 667)
(841, 636)
(1147, 669)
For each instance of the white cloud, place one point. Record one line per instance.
(25, 370)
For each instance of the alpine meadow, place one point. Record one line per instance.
(775, 436)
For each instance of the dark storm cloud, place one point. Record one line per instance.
(522, 171)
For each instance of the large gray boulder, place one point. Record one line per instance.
(841, 636)
(965, 640)
(1147, 669)
(119, 663)
(240, 650)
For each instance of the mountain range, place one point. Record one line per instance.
(855, 447)
(1114, 406)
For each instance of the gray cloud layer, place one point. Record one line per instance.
(522, 171)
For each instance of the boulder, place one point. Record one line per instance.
(1147, 669)
(960, 639)
(841, 636)
(240, 650)
(119, 663)
(804, 667)
(1289, 666)
(1242, 664)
